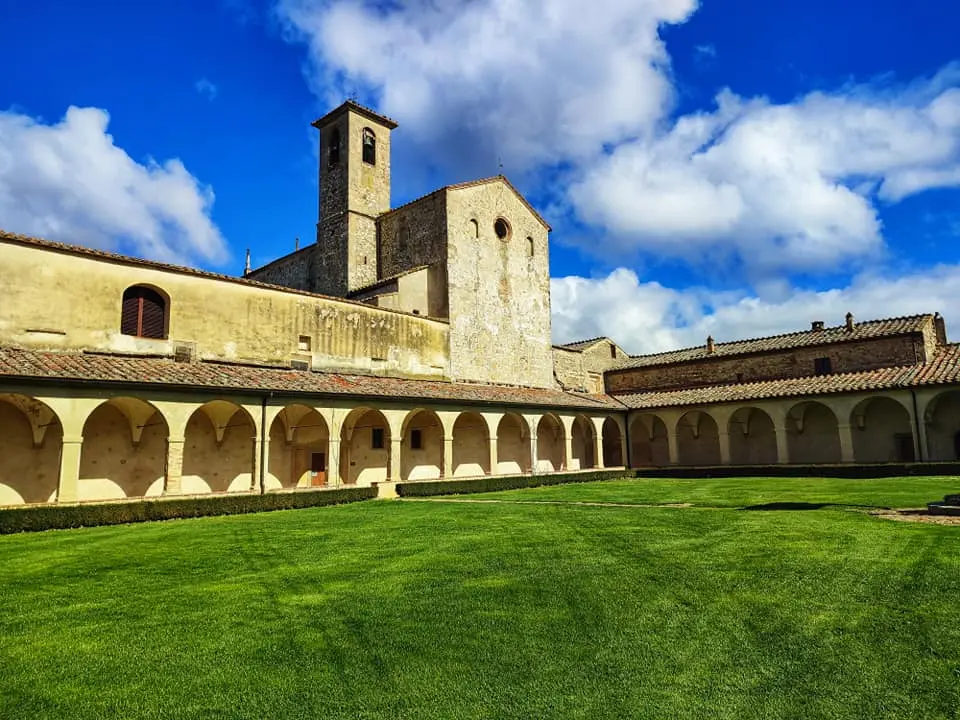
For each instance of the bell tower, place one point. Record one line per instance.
(354, 191)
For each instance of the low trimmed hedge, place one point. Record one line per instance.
(503, 482)
(860, 472)
(53, 517)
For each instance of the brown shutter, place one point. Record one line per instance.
(153, 317)
(130, 315)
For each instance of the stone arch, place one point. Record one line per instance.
(942, 419)
(698, 439)
(753, 437)
(812, 434)
(583, 444)
(124, 452)
(299, 449)
(551, 444)
(421, 457)
(612, 444)
(218, 449)
(471, 445)
(30, 439)
(882, 431)
(365, 447)
(649, 445)
(513, 445)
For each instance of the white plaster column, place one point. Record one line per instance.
(672, 449)
(174, 469)
(261, 461)
(333, 461)
(598, 442)
(622, 424)
(534, 456)
(723, 436)
(69, 469)
(783, 447)
(396, 446)
(846, 443)
(494, 459)
(447, 470)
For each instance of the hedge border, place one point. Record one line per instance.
(494, 483)
(860, 472)
(62, 517)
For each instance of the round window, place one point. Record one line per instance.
(502, 228)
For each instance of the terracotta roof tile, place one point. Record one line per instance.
(17, 364)
(584, 344)
(861, 331)
(944, 369)
(362, 109)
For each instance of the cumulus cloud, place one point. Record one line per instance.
(647, 317)
(534, 82)
(68, 181)
(781, 186)
(206, 88)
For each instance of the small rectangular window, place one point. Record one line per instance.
(416, 439)
(822, 366)
(304, 343)
(376, 438)
(613, 351)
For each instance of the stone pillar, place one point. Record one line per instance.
(69, 469)
(567, 450)
(396, 445)
(846, 443)
(494, 459)
(333, 462)
(174, 472)
(783, 448)
(447, 470)
(534, 460)
(598, 448)
(922, 443)
(672, 450)
(261, 462)
(623, 445)
(724, 437)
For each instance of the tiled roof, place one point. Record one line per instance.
(861, 331)
(384, 281)
(584, 344)
(17, 364)
(6, 236)
(944, 369)
(362, 109)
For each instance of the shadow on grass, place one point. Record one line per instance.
(809, 506)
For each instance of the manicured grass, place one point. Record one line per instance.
(905, 492)
(474, 610)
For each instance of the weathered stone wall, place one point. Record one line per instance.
(61, 300)
(499, 294)
(568, 369)
(295, 270)
(414, 235)
(799, 362)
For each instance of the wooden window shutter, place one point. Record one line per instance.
(144, 313)
(130, 316)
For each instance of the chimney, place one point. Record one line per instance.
(710, 346)
(816, 325)
(849, 322)
(246, 267)
(296, 244)
(941, 328)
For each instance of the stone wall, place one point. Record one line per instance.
(66, 301)
(797, 362)
(499, 293)
(568, 369)
(295, 270)
(414, 235)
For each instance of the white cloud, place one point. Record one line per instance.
(532, 82)
(206, 88)
(780, 186)
(68, 181)
(646, 317)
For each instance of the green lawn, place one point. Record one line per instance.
(507, 610)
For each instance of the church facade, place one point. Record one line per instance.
(409, 343)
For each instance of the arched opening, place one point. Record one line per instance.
(881, 431)
(612, 444)
(943, 427)
(649, 446)
(698, 439)
(513, 445)
(333, 147)
(550, 444)
(299, 449)
(471, 446)
(474, 228)
(145, 312)
(30, 440)
(583, 444)
(124, 451)
(365, 447)
(421, 457)
(812, 435)
(218, 450)
(753, 438)
(369, 147)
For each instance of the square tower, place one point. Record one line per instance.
(354, 191)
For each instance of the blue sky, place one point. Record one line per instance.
(731, 167)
